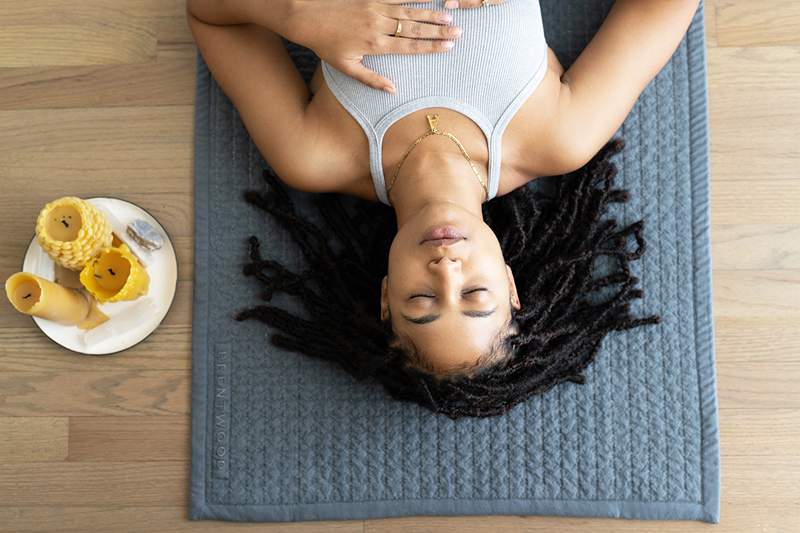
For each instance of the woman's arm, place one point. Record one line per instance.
(241, 44)
(599, 89)
(254, 70)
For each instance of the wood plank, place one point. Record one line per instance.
(96, 151)
(80, 519)
(748, 23)
(757, 339)
(131, 438)
(710, 13)
(90, 32)
(755, 202)
(94, 484)
(33, 439)
(754, 109)
(755, 246)
(89, 393)
(170, 18)
(758, 385)
(757, 293)
(27, 349)
(744, 432)
(169, 80)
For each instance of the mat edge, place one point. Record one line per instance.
(199, 358)
(707, 510)
(705, 342)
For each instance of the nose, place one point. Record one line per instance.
(445, 264)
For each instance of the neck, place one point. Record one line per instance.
(435, 172)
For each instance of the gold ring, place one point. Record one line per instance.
(483, 3)
(398, 29)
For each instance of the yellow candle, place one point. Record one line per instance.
(115, 275)
(72, 231)
(34, 295)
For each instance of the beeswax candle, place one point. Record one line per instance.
(115, 275)
(34, 295)
(72, 231)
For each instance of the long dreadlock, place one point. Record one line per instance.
(553, 243)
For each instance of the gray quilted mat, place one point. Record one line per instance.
(278, 436)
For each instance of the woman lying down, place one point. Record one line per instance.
(451, 283)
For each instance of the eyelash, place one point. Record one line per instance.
(433, 296)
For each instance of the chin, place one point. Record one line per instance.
(446, 213)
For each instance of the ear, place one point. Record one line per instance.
(385, 298)
(512, 287)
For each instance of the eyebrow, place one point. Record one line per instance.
(427, 319)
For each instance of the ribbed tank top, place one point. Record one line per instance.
(497, 62)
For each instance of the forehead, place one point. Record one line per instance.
(453, 339)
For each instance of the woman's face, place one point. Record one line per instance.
(448, 288)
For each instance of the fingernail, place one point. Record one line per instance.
(390, 89)
(448, 44)
(446, 18)
(451, 4)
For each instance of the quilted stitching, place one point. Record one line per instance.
(306, 441)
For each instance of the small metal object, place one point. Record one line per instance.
(398, 29)
(145, 234)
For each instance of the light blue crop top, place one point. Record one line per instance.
(497, 62)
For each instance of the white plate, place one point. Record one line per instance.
(161, 266)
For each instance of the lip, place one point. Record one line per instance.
(441, 243)
(443, 235)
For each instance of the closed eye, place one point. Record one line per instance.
(421, 296)
(477, 289)
(465, 293)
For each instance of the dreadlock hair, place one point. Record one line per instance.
(553, 243)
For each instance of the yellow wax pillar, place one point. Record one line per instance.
(72, 231)
(34, 295)
(115, 275)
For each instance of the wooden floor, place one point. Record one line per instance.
(96, 98)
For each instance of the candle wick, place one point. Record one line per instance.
(26, 296)
(98, 276)
(66, 224)
(112, 272)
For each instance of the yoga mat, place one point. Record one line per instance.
(279, 436)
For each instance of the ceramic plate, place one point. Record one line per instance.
(148, 310)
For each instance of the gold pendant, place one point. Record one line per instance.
(433, 122)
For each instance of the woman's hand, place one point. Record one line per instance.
(453, 4)
(341, 32)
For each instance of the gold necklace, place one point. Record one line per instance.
(433, 123)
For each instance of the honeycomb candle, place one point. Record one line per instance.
(72, 231)
(34, 295)
(115, 275)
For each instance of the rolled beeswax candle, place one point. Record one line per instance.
(115, 275)
(34, 295)
(72, 231)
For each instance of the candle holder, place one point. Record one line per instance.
(72, 231)
(115, 275)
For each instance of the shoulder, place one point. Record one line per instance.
(549, 142)
(321, 165)
(331, 154)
